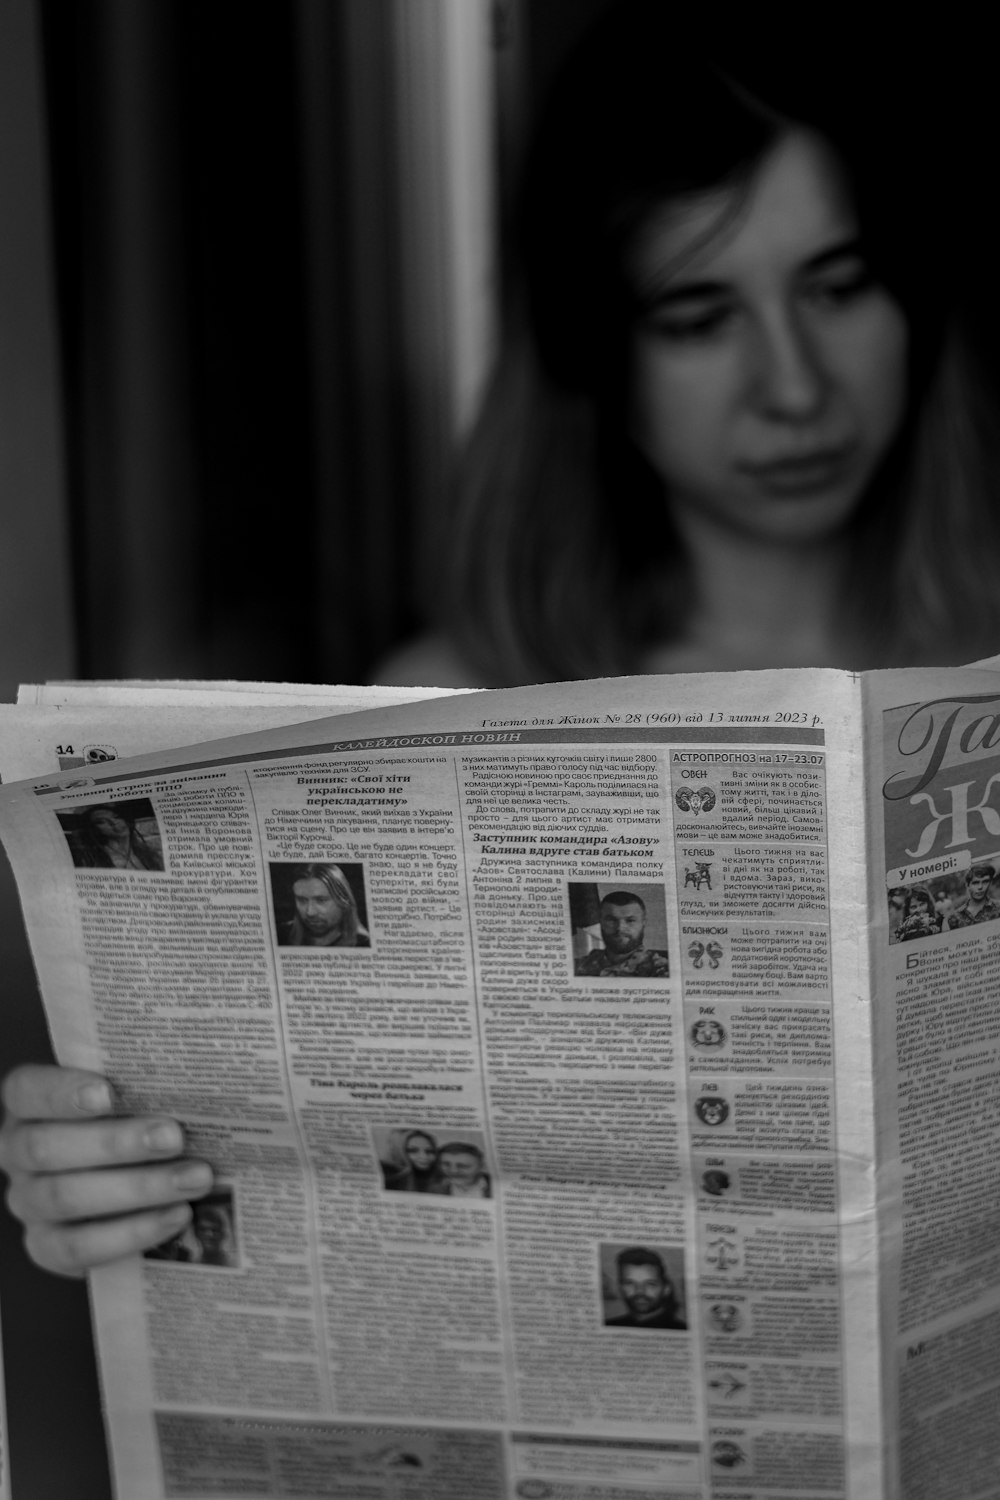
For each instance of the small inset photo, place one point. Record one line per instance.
(320, 905)
(642, 1286)
(952, 901)
(114, 835)
(618, 931)
(444, 1163)
(210, 1238)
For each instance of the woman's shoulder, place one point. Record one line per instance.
(430, 659)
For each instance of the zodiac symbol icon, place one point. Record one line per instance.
(696, 799)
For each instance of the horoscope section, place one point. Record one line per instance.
(787, 1115)
(763, 1185)
(793, 1040)
(762, 961)
(738, 882)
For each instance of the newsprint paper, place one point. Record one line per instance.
(516, 1025)
(4, 1462)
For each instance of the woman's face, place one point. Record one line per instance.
(420, 1153)
(106, 824)
(769, 367)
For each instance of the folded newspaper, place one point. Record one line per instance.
(515, 1025)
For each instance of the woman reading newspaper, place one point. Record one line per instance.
(734, 427)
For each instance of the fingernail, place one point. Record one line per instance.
(193, 1177)
(93, 1098)
(164, 1136)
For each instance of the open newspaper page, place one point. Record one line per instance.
(132, 692)
(516, 1025)
(73, 726)
(935, 832)
(4, 1451)
(62, 727)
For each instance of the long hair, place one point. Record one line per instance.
(93, 849)
(535, 580)
(400, 1174)
(396, 1152)
(338, 887)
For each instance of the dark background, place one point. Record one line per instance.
(250, 418)
(253, 441)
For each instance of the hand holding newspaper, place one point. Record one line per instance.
(652, 1005)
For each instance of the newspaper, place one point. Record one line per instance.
(133, 693)
(635, 1020)
(4, 1464)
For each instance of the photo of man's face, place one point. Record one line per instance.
(643, 1289)
(979, 884)
(320, 914)
(459, 1167)
(622, 927)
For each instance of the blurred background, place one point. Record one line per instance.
(250, 289)
(249, 295)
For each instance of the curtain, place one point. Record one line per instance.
(226, 195)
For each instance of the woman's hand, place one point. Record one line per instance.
(90, 1186)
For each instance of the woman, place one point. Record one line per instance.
(111, 841)
(920, 917)
(413, 1167)
(733, 427)
(710, 444)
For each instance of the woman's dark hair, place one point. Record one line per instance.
(537, 583)
(399, 1162)
(918, 897)
(93, 848)
(89, 813)
(412, 1134)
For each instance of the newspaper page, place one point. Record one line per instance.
(935, 832)
(64, 726)
(331, 698)
(68, 726)
(4, 1450)
(515, 1025)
